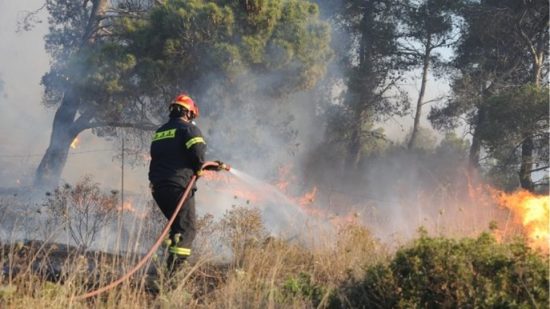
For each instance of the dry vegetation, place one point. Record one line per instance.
(238, 264)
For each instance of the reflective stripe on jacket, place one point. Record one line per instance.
(177, 152)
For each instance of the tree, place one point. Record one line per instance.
(373, 66)
(517, 118)
(503, 45)
(117, 66)
(77, 30)
(428, 25)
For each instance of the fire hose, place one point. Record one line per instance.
(205, 166)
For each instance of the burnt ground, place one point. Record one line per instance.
(58, 262)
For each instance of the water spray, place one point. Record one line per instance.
(265, 187)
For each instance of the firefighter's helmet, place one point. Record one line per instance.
(184, 100)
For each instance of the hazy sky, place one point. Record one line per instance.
(24, 123)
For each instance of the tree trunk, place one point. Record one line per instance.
(475, 148)
(361, 89)
(355, 147)
(64, 129)
(526, 164)
(420, 100)
(537, 71)
(63, 133)
(527, 146)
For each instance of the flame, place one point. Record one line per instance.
(216, 177)
(224, 182)
(532, 212)
(128, 207)
(75, 143)
(284, 178)
(308, 198)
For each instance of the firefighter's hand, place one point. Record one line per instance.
(220, 165)
(199, 173)
(216, 168)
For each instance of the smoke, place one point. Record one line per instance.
(258, 135)
(24, 126)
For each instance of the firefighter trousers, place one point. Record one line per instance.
(183, 230)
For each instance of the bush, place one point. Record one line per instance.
(442, 272)
(302, 286)
(82, 210)
(242, 228)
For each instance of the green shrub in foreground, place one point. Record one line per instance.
(442, 272)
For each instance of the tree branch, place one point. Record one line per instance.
(141, 126)
(29, 19)
(435, 100)
(539, 169)
(526, 38)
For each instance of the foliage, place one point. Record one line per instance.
(452, 144)
(503, 45)
(512, 116)
(82, 210)
(440, 272)
(428, 26)
(194, 45)
(425, 139)
(116, 64)
(373, 67)
(302, 285)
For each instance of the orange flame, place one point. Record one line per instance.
(215, 176)
(128, 207)
(308, 198)
(284, 178)
(75, 143)
(532, 212)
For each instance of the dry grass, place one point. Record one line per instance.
(236, 263)
(257, 269)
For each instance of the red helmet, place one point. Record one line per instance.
(184, 100)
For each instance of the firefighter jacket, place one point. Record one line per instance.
(177, 152)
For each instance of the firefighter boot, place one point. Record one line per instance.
(177, 256)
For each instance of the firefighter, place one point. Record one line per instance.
(177, 152)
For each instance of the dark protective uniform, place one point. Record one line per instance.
(177, 152)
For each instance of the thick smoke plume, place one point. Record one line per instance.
(393, 195)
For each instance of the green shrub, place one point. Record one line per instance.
(303, 286)
(442, 272)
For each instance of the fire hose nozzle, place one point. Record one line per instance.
(216, 166)
(224, 166)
